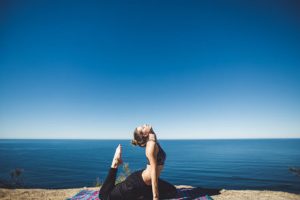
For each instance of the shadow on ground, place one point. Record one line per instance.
(198, 192)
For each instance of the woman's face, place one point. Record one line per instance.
(144, 129)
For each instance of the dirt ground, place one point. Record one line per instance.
(62, 194)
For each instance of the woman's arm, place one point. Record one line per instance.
(150, 153)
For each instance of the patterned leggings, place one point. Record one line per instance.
(133, 187)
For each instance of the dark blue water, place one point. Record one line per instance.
(229, 164)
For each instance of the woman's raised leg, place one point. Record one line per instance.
(109, 182)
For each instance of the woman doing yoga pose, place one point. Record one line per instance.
(144, 183)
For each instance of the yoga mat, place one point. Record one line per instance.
(183, 194)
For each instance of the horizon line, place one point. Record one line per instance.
(159, 138)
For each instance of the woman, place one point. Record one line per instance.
(141, 184)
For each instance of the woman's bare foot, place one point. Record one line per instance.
(117, 160)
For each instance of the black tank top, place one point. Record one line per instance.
(161, 156)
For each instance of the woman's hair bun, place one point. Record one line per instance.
(134, 142)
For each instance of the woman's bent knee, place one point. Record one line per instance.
(170, 193)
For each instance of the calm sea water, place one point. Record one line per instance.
(229, 164)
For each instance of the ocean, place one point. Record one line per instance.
(262, 164)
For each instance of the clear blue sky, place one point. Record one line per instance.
(192, 69)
